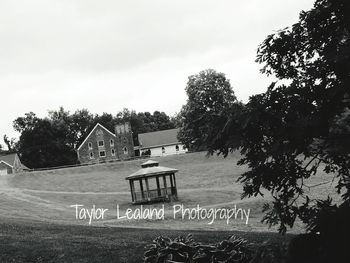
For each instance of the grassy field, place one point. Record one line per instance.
(43, 242)
(39, 203)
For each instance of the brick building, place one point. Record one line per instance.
(102, 145)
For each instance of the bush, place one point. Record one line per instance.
(186, 250)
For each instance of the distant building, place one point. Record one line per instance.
(161, 143)
(102, 145)
(10, 164)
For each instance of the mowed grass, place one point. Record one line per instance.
(196, 170)
(208, 181)
(21, 241)
(38, 224)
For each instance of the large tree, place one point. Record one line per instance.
(301, 124)
(46, 144)
(210, 99)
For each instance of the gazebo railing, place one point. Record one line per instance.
(155, 194)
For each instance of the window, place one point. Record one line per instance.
(177, 148)
(91, 155)
(101, 143)
(113, 152)
(90, 145)
(163, 150)
(102, 154)
(125, 150)
(184, 147)
(112, 142)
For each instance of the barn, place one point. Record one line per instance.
(10, 164)
(161, 143)
(101, 145)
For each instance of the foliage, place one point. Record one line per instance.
(210, 99)
(11, 145)
(46, 145)
(270, 252)
(301, 123)
(185, 249)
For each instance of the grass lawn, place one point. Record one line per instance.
(22, 241)
(38, 224)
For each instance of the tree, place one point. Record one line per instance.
(47, 142)
(46, 145)
(293, 130)
(106, 119)
(10, 143)
(80, 123)
(24, 123)
(210, 99)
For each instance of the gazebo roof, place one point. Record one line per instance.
(151, 168)
(149, 163)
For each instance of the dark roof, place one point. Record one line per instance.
(8, 158)
(151, 168)
(158, 138)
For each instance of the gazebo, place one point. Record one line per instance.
(153, 183)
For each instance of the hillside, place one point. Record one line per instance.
(206, 181)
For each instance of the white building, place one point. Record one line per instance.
(161, 143)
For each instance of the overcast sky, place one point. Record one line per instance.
(109, 55)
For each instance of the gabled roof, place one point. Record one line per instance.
(8, 159)
(151, 171)
(158, 138)
(97, 125)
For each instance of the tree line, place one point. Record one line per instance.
(52, 141)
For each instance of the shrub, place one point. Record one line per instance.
(186, 250)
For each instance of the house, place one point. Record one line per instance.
(101, 145)
(10, 164)
(161, 143)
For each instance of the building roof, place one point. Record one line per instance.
(97, 125)
(8, 159)
(151, 168)
(158, 138)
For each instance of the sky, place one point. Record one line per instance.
(107, 55)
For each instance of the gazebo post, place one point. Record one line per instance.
(158, 186)
(147, 188)
(141, 187)
(175, 185)
(132, 189)
(171, 183)
(165, 186)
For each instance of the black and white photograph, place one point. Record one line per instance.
(166, 131)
